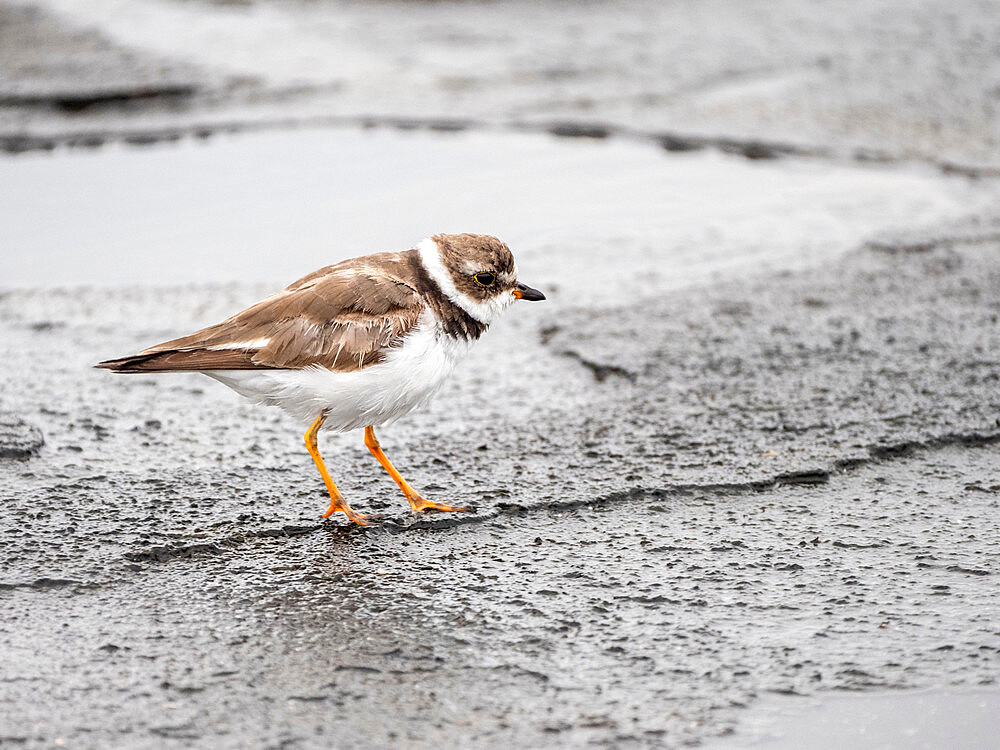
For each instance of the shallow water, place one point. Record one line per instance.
(607, 219)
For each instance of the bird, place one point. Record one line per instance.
(357, 344)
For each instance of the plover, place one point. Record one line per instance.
(357, 344)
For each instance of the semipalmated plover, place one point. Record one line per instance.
(356, 344)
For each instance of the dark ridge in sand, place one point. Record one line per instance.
(80, 101)
(751, 148)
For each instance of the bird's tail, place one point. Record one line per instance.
(190, 360)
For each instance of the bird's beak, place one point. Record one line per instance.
(523, 291)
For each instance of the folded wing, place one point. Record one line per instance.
(344, 317)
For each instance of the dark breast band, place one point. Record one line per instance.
(455, 321)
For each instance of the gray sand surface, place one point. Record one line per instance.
(736, 481)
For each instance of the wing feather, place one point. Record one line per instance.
(343, 317)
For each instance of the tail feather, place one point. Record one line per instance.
(192, 360)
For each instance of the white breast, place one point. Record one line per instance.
(406, 379)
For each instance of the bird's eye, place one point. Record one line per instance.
(484, 279)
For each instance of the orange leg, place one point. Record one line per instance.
(412, 496)
(336, 500)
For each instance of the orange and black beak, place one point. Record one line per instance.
(523, 291)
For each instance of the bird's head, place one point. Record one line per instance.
(477, 272)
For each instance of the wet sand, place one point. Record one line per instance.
(770, 483)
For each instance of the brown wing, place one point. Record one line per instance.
(342, 317)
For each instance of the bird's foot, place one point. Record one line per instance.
(339, 504)
(417, 503)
